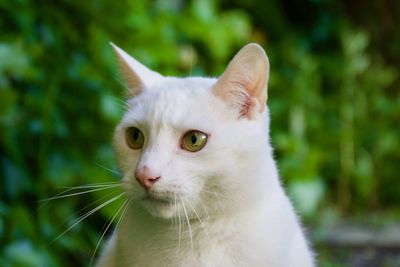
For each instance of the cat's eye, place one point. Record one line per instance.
(194, 141)
(134, 138)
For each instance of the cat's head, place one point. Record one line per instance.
(193, 145)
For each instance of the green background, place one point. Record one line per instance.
(334, 99)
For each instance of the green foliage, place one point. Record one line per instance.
(60, 101)
(333, 98)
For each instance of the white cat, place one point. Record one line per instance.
(199, 170)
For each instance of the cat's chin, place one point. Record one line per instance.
(159, 207)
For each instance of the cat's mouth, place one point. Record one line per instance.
(155, 199)
(161, 205)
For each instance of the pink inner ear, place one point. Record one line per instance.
(242, 93)
(244, 96)
(247, 107)
(258, 93)
(251, 94)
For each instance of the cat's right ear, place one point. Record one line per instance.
(137, 76)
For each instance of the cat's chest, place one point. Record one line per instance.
(212, 245)
(172, 257)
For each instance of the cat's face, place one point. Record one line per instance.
(182, 142)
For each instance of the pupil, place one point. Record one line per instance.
(193, 138)
(135, 135)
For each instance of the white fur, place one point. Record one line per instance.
(238, 212)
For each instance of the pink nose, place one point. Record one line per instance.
(145, 177)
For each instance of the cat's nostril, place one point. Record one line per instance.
(145, 178)
(154, 179)
(148, 182)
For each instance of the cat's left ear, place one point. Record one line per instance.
(136, 75)
(244, 82)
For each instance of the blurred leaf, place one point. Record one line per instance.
(22, 254)
(13, 59)
(334, 80)
(111, 107)
(307, 195)
(16, 180)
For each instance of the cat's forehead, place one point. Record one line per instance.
(176, 102)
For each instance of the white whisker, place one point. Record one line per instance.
(123, 212)
(188, 222)
(217, 197)
(58, 196)
(72, 188)
(87, 215)
(179, 225)
(108, 169)
(204, 207)
(106, 229)
(198, 217)
(94, 203)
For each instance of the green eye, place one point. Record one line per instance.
(134, 138)
(194, 141)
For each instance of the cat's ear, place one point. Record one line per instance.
(244, 82)
(137, 76)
